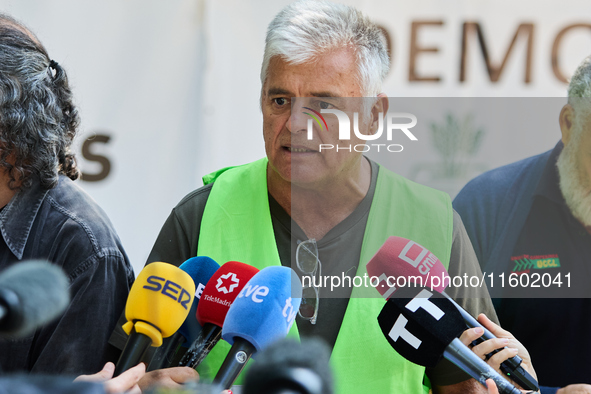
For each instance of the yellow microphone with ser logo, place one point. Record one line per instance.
(158, 303)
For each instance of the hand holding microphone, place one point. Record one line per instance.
(423, 326)
(127, 382)
(503, 340)
(402, 257)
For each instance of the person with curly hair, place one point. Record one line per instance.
(45, 215)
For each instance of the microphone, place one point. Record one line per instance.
(403, 257)
(201, 269)
(263, 312)
(32, 293)
(216, 298)
(423, 326)
(290, 366)
(157, 305)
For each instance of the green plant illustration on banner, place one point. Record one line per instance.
(458, 141)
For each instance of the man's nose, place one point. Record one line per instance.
(298, 120)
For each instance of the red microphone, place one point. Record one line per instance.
(401, 257)
(218, 294)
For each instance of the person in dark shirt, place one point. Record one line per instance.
(533, 218)
(45, 215)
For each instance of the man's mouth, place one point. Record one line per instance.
(299, 149)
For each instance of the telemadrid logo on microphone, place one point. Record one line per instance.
(227, 283)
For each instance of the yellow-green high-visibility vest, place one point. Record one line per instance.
(236, 226)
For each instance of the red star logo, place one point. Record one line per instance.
(227, 286)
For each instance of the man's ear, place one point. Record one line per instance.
(380, 107)
(566, 120)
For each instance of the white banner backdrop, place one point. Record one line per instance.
(168, 90)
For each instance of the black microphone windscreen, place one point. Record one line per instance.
(290, 366)
(42, 294)
(420, 331)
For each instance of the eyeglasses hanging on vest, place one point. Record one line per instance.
(309, 264)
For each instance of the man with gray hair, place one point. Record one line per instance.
(543, 228)
(44, 215)
(333, 208)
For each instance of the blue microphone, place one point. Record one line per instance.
(200, 269)
(272, 297)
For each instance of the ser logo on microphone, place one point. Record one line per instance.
(169, 289)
